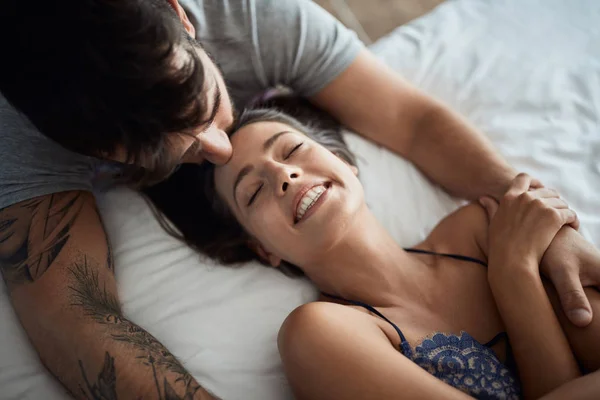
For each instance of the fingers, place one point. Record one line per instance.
(544, 193)
(574, 302)
(490, 205)
(568, 216)
(551, 198)
(575, 225)
(558, 204)
(536, 184)
(520, 184)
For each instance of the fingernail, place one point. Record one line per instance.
(580, 316)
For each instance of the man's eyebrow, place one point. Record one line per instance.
(248, 168)
(216, 105)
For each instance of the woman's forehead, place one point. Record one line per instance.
(256, 130)
(247, 144)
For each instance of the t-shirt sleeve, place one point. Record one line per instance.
(301, 45)
(32, 165)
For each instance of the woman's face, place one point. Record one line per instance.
(292, 195)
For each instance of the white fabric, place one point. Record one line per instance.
(525, 72)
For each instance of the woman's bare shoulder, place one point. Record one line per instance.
(463, 231)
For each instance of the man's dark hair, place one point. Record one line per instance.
(97, 74)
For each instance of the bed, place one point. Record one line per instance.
(526, 72)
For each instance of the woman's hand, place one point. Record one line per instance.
(521, 229)
(524, 223)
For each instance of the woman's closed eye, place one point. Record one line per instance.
(253, 197)
(289, 154)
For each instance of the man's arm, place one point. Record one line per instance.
(373, 100)
(376, 102)
(58, 267)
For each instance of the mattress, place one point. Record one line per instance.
(526, 72)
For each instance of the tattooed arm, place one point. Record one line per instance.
(57, 265)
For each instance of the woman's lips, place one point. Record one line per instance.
(315, 195)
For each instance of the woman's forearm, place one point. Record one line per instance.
(583, 388)
(536, 336)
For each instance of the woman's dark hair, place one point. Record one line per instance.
(96, 74)
(188, 198)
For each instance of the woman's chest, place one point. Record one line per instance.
(456, 298)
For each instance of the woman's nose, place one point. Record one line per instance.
(284, 176)
(215, 146)
(286, 183)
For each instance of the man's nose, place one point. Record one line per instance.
(215, 146)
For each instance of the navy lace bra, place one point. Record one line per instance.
(459, 360)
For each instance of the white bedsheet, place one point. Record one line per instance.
(527, 73)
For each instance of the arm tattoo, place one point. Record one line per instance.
(105, 387)
(110, 263)
(109, 256)
(33, 233)
(102, 306)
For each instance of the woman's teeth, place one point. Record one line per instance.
(309, 199)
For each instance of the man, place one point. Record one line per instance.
(96, 91)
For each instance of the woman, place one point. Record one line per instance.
(426, 322)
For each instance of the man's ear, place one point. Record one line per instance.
(354, 169)
(264, 255)
(188, 26)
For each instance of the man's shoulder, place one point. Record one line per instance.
(264, 43)
(33, 165)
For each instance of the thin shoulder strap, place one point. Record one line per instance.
(496, 339)
(373, 310)
(455, 256)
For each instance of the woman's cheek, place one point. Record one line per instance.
(265, 225)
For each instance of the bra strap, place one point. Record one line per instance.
(371, 309)
(455, 256)
(496, 339)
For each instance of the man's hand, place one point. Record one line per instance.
(572, 263)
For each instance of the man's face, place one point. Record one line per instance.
(212, 142)
(208, 141)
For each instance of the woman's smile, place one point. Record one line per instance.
(279, 178)
(309, 199)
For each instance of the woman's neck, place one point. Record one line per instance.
(367, 265)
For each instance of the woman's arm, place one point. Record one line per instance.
(525, 309)
(330, 351)
(584, 388)
(522, 228)
(536, 336)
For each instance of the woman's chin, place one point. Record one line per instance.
(329, 229)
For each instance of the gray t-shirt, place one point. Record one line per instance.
(258, 44)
